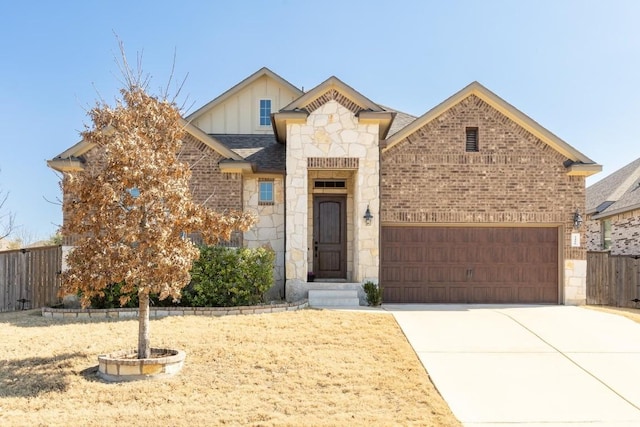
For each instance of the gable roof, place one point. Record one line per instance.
(579, 165)
(69, 160)
(264, 71)
(298, 110)
(616, 193)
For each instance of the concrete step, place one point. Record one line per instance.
(333, 298)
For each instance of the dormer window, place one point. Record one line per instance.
(265, 112)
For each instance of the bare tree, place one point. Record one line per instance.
(7, 219)
(132, 211)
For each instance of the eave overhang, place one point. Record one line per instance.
(235, 166)
(582, 169)
(281, 119)
(69, 160)
(69, 164)
(381, 118)
(608, 213)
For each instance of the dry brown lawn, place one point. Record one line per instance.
(302, 368)
(630, 313)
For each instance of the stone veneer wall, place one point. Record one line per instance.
(270, 229)
(514, 178)
(625, 233)
(331, 131)
(156, 312)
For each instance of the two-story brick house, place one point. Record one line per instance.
(471, 202)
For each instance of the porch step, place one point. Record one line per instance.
(333, 298)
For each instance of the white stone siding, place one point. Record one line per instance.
(270, 229)
(332, 131)
(575, 282)
(625, 233)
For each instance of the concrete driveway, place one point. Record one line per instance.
(528, 365)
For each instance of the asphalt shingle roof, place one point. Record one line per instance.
(617, 192)
(262, 150)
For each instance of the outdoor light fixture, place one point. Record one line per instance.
(577, 219)
(367, 216)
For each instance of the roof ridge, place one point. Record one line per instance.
(619, 191)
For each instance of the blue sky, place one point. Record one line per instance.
(571, 65)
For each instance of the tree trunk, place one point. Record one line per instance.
(144, 344)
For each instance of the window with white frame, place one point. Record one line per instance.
(606, 234)
(265, 112)
(265, 192)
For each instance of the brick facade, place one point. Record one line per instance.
(625, 233)
(217, 190)
(514, 178)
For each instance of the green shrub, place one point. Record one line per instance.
(221, 277)
(227, 277)
(374, 293)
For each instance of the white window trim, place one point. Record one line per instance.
(273, 193)
(261, 126)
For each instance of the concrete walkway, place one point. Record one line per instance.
(528, 366)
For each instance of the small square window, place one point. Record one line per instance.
(265, 112)
(472, 140)
(265, 193)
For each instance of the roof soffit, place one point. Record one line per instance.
(503, 107)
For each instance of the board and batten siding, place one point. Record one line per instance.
(239, 113)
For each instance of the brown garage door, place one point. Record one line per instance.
(469, 265)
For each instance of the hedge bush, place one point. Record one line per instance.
(221, 277)
(227, 277)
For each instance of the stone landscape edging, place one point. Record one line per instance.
(156, 312)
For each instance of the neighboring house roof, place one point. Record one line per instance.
(262, 151)
(616, 193)
(264, 71)
(579, 163)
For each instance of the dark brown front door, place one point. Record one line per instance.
(329, 237)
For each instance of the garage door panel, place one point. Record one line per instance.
(474, 264)
(458, 295)
(392, 254)
(392, 274)
(412, 253)
(412, 274)
(481, 294)
(504, 295)
(436, 293)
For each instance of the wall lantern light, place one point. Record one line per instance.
(577, 220)
(367, 216)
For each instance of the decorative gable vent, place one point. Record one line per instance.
(472, 140)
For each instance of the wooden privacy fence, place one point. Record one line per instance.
(30, 278)
(613, 279)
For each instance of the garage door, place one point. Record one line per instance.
(469, 265)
